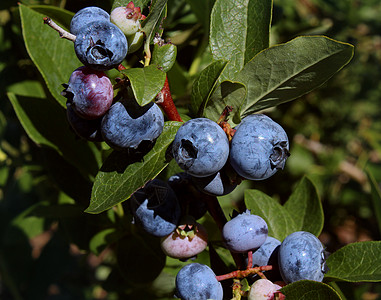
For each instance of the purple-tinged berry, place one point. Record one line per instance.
(87, 129)
(197, 281)
(245, 232)
(259, 147)
(89, 92)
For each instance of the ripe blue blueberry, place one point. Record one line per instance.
(197, 282)
(101, 45)
(190, 199)
(200, 147)
(217, 184)
(89, 92)
(127, 124)
(302, 256)
(245, 232)
(265, 254)
(87, 129)
(87, 15)
(155, 208)
(259, 147)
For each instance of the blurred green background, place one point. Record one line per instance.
(335, 137)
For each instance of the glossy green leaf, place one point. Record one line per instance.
(164, 56)
(121, 174)
(307, 289)
(46, 124)
(287, 71)
(138, 3)
(278, 219)
(58, 15)
(54, 57)
(376, 198)
(228, 93)
(357, 262)
(146, 83)
(239, 29)
(152, 24)
(204, 85)
(305, 207)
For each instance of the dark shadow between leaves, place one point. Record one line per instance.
(119, 160)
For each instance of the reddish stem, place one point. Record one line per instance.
(244, 273)
(165, 101)
(249, 259)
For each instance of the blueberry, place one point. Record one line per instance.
(197, 282)
(101, 45)
(89, 92)
(127, 124)
(302, 256)
(87, 15)
(200, 147)
(217, 184)
(245, 232)
(155, 208)
(190, 199)
(264, 255)
(87, 129)
(259, 147)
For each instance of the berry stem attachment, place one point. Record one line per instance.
(237, 293)
(165, 101)
(249, 259)
(62, 32)
(244, 273)
(215, 210)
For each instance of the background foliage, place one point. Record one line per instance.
(48, 246)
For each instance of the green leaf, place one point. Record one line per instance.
(202, 10)
(152, 24)
(46, 124)
(284, 72)
(305, 207)
(239, 29)
(59, 15)
(121, 175)
(278, 219)
(164, 56)
(146, 83)
(307, 289)
(357, 262)
(376, 198)
(103, 239)
(228, 93)
(54, 57)
(204, 86)
(138, 3)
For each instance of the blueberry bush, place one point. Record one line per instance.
(153, 150)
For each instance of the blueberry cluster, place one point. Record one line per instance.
(259, 147)
(101, 43)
